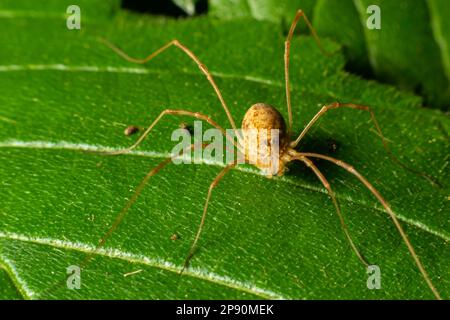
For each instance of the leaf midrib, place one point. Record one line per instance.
(131, 70)
(20, 287)
(63, 145)
(158, 263)
(139, 70)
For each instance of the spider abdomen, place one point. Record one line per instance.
(265, 137)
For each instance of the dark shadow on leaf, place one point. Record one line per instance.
(163, 7)
(323, 144)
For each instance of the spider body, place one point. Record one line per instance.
(265, 139)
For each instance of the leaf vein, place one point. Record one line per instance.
(199, 273)
(64, 145)
(20, 284)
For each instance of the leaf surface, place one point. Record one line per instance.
(411, 50)
(65, 93)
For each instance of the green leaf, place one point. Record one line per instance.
(441, 30)
(404, 51)
(7, 289)
(267, 10)
(187, 5)
(339, 20)
(411, 50)
(92, 10)
(65, 92)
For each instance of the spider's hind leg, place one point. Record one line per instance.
(388, 209)
(205, 209)
(327, 186)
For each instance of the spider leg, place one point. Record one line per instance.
(287, 54)
(205, 209)
(388, 209)
(191, 55)
(130, 202)
(337, 105)
(119, 218)
(332, 195)
(196, 115)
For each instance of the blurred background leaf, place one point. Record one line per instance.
(268, 10)
(187, 5)
(411, 50)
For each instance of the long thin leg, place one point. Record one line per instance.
(287, 53)
(332, 195)
(337, 105)
(205, 209)
(130, 202)
(191, 55)
(171, 112)
(388, 209)
(119, 217)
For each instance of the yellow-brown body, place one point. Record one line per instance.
(265, 139)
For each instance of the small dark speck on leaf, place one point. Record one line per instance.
(166, 8)
(333, 145)
(130, 130)
(174, 237)
(187, 127)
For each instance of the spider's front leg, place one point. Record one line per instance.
(191, 55)
(196, 115)
(338, 105)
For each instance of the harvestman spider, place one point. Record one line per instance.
(263, 116)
